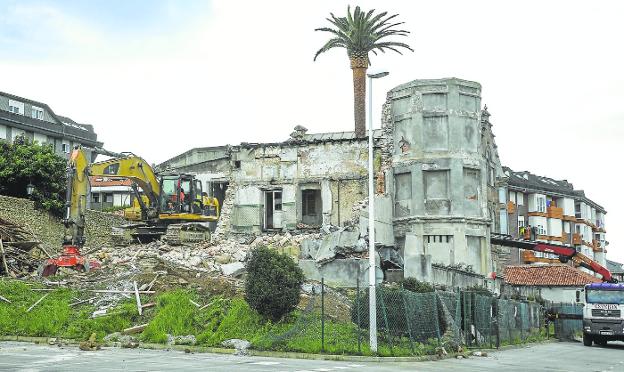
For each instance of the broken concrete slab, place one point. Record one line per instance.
(309, 248)
(327, 250)
(349, 239)
(340, 272)
(233, 269)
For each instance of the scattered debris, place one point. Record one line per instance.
(4, 299)
(91, 344)
(37, 303)
(15, 250)
(241, 346)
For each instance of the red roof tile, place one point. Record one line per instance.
(547, 275)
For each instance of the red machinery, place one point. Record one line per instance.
(71, 258)
(564, 252)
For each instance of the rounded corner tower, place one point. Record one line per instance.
(439, 174)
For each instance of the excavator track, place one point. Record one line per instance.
(181, 233)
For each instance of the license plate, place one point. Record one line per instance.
(606, 306)
(608, 333)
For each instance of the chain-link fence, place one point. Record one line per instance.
(410, 323)
(567, 319)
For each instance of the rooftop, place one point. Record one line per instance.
(547, 275)
(528, 180)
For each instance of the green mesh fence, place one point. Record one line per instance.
(566, 327)
(409, 323)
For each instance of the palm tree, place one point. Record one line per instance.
(360, 33)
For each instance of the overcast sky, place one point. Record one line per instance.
(160, 77)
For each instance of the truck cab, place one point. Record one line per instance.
(602, 312)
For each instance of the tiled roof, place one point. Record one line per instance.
(105, 181)
(547, 275)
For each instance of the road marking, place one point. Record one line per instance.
(266, 363)
(323, 369)
(356, 365)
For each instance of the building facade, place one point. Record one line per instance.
(561, 215)
(107, 193)
(37, 122)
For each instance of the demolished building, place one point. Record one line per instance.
(436, 166)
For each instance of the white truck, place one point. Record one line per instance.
(602, 313)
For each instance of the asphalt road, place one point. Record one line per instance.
(546, 357)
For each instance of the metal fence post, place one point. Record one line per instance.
(322, 315)
(495, 307)
(407, 319)
(437, 316)
(357, 309)
(385, 315)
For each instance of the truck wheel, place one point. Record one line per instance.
(587, 340)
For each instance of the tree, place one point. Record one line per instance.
(360, 33)
(23, 162)
(273, 283)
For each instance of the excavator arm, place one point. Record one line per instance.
(140, 173)
(565, 253)
(127, 166)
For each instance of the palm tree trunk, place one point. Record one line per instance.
(359, 66)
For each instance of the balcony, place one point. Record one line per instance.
(596, 246)
(555, 212)
(529, 257)
(511, 207)
(576, 239)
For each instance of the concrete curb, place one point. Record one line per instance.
(275, 354)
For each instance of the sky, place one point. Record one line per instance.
(159, 77)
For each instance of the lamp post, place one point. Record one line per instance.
(372, 311)
(30, 188)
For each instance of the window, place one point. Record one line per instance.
(237, 164)
(309, 202)
(403, 186)
(108, 198)
(95, 198)
(112, 169)
(491, 177)
(16, 107)
(65, 148)
(541, 204)
(512, 196)
(36, 112)
(519, 198)
(521, 221)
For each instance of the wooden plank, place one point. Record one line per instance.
(37, 303)
(138, 298)
(135, 329)
(6, 268)
(83, 301)
(195, 303)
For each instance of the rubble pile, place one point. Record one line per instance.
(15, 250)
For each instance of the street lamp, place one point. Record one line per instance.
(371, 218)
(30, 188)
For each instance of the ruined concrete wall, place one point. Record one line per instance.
(335, 168)
(49, 230)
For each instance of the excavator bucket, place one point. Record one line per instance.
(48, 269)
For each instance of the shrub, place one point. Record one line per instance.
(414, 285)
(273, 283)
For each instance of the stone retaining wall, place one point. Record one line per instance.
(49, 230)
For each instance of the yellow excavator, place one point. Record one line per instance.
(169, 205)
